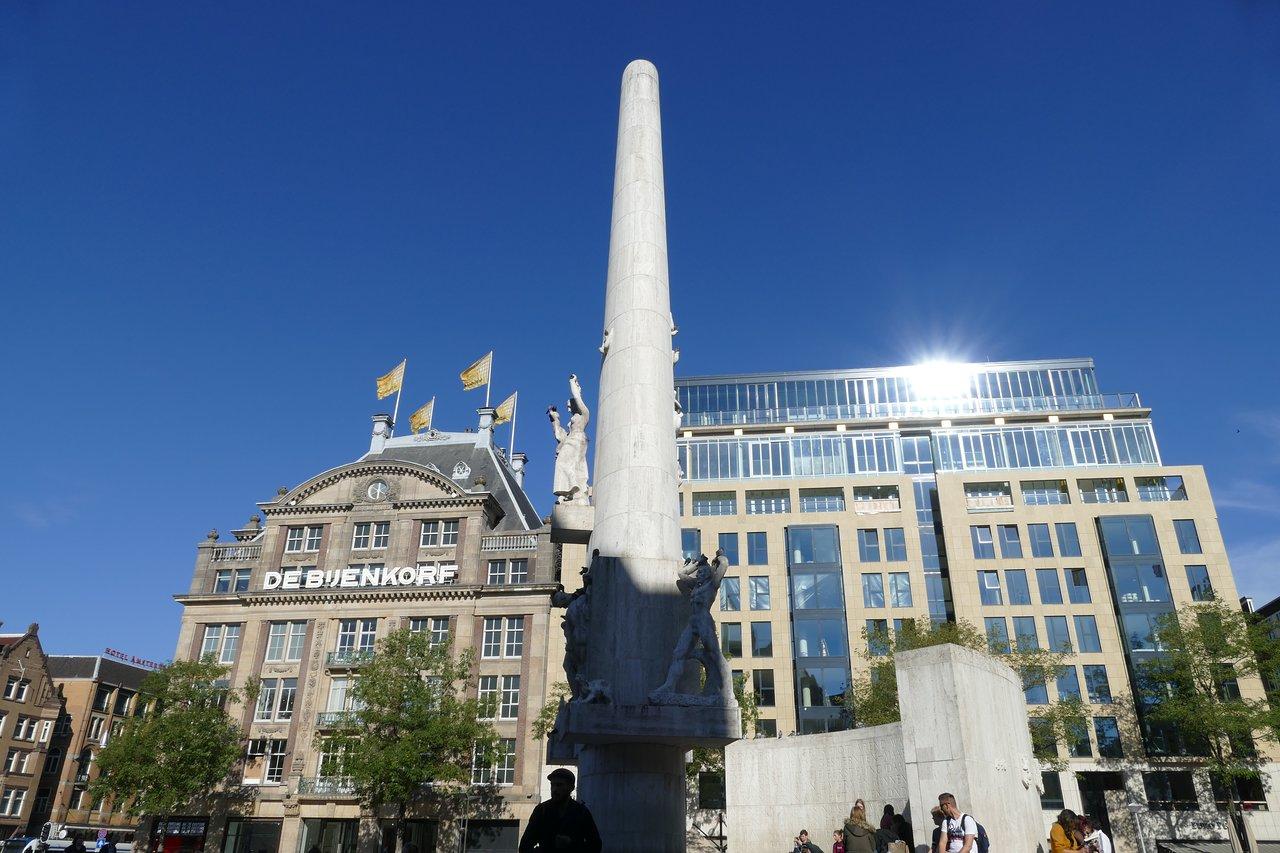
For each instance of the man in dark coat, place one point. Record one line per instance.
(561, 823)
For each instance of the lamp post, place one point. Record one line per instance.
(1134, 809)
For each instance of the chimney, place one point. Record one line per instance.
(382, 425)
(484, 437)
(518, 461)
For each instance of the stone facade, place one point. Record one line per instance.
(29, 708)
(431, 531)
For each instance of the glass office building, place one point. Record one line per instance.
(1019, 497)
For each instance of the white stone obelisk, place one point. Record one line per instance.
(631, 759)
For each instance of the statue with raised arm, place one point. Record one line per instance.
(570, 480)
(700, 581)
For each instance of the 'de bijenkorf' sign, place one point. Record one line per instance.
(354, 577)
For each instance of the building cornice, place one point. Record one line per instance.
(441, 592)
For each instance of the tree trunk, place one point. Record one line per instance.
(400, 827)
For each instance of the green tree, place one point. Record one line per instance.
(872, 697)
(418, 725)
(546, 719)
(182, 749)
(711, 758)
(1190, 690)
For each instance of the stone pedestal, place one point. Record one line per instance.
(571, 524)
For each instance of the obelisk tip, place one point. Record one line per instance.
(640, 66)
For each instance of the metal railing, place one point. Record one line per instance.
(509, 542)
(235, 553)
(333, 719)
(349, 657)
(331, 786)
(877, 505)
(919, 409)
(989, 501)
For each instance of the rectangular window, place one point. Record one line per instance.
(285, 641)
(1059, 637)
(731, 639)
(1041, 542)
(312, 542)
(1160, 489)
(1016, 581)
(449, 532)
(983, 546)
(503, 637)
(437, 625)
(691, 543)
(762, 684)
(222, 580)
(487, 696)
(818, 591)
(1198, 581)
(1144, 582)
(1024, 633)
(757, 549)
(293, 540)
(497, 572)
(1068, 539)
(768, 501)
(1010, 543)
(899, 589)
(509, 708)
(822, 500)
(519, 571)
(1077, 586)
(360, 536)
(989, 588)
(1096, 682)
(1045, 492)
(274, 755)
(978, 496)
(503, 769)
(276, 698)
(1078, 745)
(1170, 790)
(1050, 589)
(729, 545)
(731, 594)
(1188, 536)
(872, 590)
(1087, 634)
(381, 534)
(759, 592)
(11, 801)
(1068, 683)
(869, 546)
(814, 545)
(430, 534)
(766, 728)
(819, 638)
(1035, 691)
(1106, 490)
(715, 503)
(220, 641)
(16, 688)
(895, 545)
(241, 581)
(997, 634)
(761, 639)
(1108, 734)
(878, 637)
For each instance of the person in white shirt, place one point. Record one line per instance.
(959, 831)
(1095, 840)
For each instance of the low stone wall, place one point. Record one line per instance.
(778, 786)
(963, 730)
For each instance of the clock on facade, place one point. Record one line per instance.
(377, 490)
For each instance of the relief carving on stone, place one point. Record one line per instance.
(576, 624)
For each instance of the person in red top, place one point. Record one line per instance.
(837, 842)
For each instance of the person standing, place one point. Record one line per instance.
(1094, 839)
(859, 836)
(561, 823)
(936, 814)
(837, 841)
(1063, 836)
(959, 831)
(886, 819)
(902, 829)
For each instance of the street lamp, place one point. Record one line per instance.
(1134, 809)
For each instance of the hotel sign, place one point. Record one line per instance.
(354, 577)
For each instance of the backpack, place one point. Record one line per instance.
(981, 844)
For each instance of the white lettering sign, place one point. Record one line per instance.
(424, 574)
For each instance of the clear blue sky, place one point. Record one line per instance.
(219, 222)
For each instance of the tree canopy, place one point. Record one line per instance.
(182, 749)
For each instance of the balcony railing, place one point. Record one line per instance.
(328, 786)
(349, 657)
(877, 505)
(235, 553)
(919, 409)
(333, 719)
(509, 542)
(989, 501)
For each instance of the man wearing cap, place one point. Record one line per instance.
(561, 823)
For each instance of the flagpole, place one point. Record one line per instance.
(395, 413)
(488, 384)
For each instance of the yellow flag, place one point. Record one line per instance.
(506, 410)
(478, 373)
(391, 382)
(421, 419)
